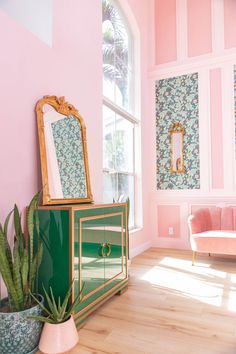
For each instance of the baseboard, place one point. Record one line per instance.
(140, 249)
(177, 243)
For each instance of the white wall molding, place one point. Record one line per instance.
(204, 130)
(228, 126)
(140, 249)
(192, 65)
(177, 243)
(217, 26)
(174, 199)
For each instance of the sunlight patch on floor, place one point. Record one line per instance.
(198, 268)
(232, 300)
(188, 285)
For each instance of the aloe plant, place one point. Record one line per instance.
(57, 312)
(19, 264)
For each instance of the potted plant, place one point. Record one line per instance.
(18, 268)
(59, 332)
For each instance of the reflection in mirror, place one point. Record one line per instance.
(177, 146)
(63, 152)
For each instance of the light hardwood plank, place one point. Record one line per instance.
(170, 307)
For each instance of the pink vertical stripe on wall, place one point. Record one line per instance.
(199, 27)
(165, 30)
(216, 129)
(168, 216)
(230, 23)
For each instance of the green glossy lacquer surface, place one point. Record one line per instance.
(102, 264)
(101, 233)
(54, 232)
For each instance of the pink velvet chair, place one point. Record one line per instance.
(213, 230)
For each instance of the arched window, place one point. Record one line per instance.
(119, 122)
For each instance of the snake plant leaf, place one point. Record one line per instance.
(7, 246)
(40, 303)
(65, 302)
(16, 266)
(76, 300)
(18, 231)
(5, 230)
(30, 220)
(41, 318)
(17, 274)
(57, 312)
(17, 221)
(24, 271)
(5, 270)
(52, 309)
(35, 265)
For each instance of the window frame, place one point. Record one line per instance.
(134, 94)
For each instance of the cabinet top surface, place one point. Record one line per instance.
(74, 207)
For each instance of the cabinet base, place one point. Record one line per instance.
(81, 317)
(123, 290)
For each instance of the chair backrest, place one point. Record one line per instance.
(216, 218)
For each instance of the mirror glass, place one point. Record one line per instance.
(63, 152)
(177, 145)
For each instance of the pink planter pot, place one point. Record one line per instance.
(58, 338)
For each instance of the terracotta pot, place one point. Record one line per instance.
(58, 338)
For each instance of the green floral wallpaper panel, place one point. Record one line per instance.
(69, 151)
(177, 101)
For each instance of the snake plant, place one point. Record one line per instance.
(19, 263)
(57, 312)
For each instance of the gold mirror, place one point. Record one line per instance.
(177, 148)
(63, 152)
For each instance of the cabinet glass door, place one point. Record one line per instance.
(90, 262)
(114, 239)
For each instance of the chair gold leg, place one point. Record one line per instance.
(193, 258)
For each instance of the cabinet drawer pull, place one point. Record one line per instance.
(109, 249)
(105, 250)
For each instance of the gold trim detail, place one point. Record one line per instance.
(179, 168)
(80, 207)
(106, 295)
(65, 108)
(81, 220)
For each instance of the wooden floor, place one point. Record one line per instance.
(169, 308)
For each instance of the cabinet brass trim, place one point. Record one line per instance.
(81, 220)
(107, 294)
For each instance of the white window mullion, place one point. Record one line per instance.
(122, 112)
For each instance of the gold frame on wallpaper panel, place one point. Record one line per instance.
(80, 250)
(65, 108)
(176, 128)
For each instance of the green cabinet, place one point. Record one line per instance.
(87, 243)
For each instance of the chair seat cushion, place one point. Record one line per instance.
(216, 233)
(215, 241)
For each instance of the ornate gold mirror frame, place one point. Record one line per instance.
(63, 152)
(177, 148)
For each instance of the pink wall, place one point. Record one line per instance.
(199, 27)
(30, 69)
(173, 214)
(230, 23)
(165, 21)
(205, 41)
